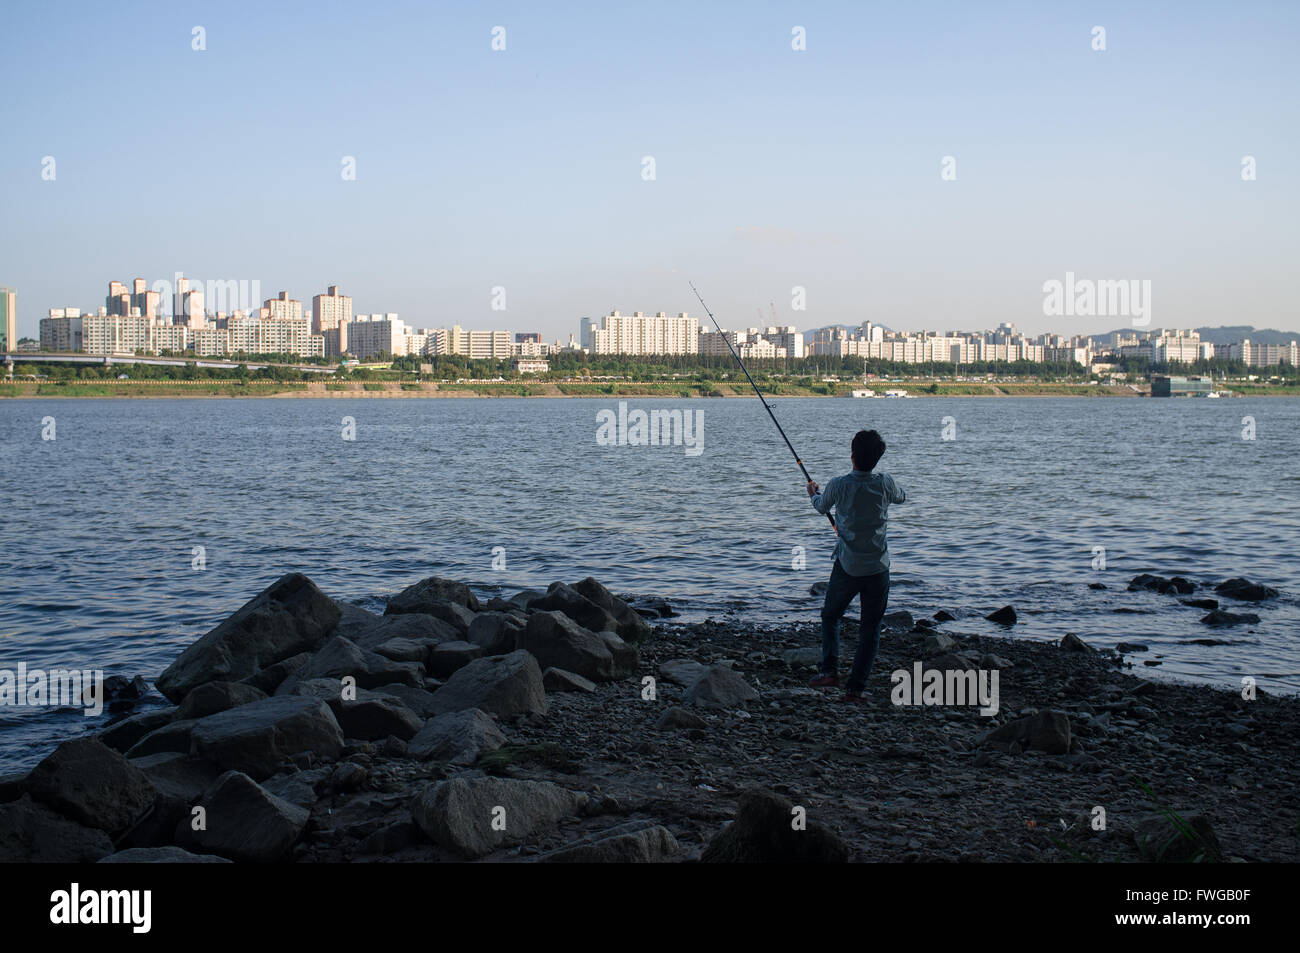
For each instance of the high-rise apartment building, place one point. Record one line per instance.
(369, 335)
(639, 333)
(283, 308)
(187, 304)
(8, 319)
(331, 313)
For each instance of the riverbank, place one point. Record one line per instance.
(395, 389)
(595, 730)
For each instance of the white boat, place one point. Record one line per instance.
(863, 393)
(895, 393)
(1214, 393)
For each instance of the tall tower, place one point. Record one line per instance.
(8, 319)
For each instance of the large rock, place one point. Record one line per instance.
(300, 787)
(1219, 617)
(370, 716)
(161, 855)
(417, 699)
(501, 685)
(521, 599)
(180, 781)
(763, 833)
(258, 738)
(354, 621)
(31, 833)
(92, 784)
(289, 616)
(633, 842)
(271, 677)
(683, 671)
(631, 626)
(720, 687)
(1004, 616)
(1047, 731)
(173, 736)
(457, 737)
(341, 658)
(427, 592)
(415, 626)
(458, 814)
(561, 597)
(217, 696)
(900, 620)
(556, 641)
(652, 607)
(121, 735)
(496, 632)
(450, 657)
(13, 786)
(626, 657)
(1161, 839)
(244, 821)
(406, 650)
(1160, 584)
(558, 680)
(1245, 590)
(177, 776)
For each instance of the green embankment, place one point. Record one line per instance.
(201, 388)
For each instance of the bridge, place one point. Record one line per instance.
(10, 358)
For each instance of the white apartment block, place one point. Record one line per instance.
(283, 308)
(330, 310)
(113, 334)
(1264, 355)
(1182, 346)
(210, 342)
(168, 337)
(489, 345)
(270, 335)
(373, 334)
(768, 343)
(531, 349)
(787, 338)
(639, 333)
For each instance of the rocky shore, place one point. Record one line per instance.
(572, 726)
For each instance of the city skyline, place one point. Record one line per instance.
(774, 168)
(134, 321)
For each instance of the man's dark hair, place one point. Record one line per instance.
(868, 448)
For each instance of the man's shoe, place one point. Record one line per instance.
(852, 698)
(824, 681)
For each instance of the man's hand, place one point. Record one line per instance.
(813, 488)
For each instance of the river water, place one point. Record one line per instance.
(102, 523)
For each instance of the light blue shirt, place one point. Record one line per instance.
(861, 502)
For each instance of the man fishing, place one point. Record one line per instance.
(861, 501)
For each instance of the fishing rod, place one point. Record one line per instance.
(766, 406)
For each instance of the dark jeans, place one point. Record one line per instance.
(873, 593)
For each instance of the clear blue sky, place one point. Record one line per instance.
(775, 168)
